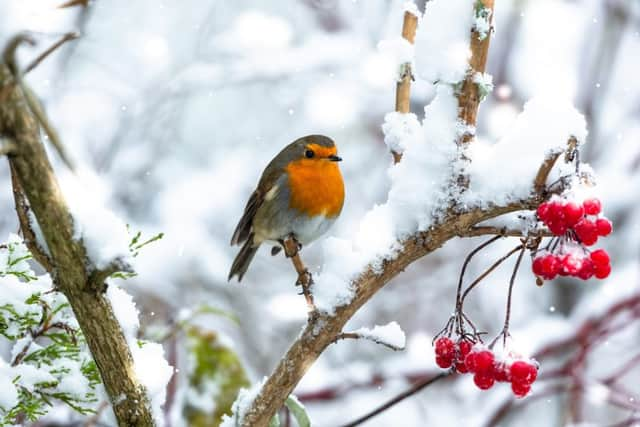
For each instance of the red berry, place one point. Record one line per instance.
(536, 265)
(550, 266)
(483, 381)
(464, 348)
(602, 271)
(600, 257)
(603, 226)
(444, 362)
(557, 227)
(573, 213)
(523, 372)
(592, 206)
(587, 231)
(587, 269)
(483, 362)
(501, 372)
(445, 348)
(570, 265)
(543, 211)
(556, 211)
(520, 389)
(470, 361)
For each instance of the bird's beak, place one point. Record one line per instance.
(335, 158)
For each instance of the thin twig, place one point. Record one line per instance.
(28, 233)
(357, 336)
(305, 280)
(399, 398)
(9, 56)
(65, 38)
(540, 182)
(483, 230)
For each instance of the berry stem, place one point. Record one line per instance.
(512, 281)
(466, 263)
(487, 272)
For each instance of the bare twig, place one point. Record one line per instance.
(399, 398)
(73, 3)
(97, 277)
(65, 38)
(403, 87)
(305, 280)
(357, 336)
(540, 183)
(483, 230)
(31, 99)
(28, 233)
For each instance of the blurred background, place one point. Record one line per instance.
(172, 109)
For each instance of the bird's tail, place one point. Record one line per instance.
(243, 259)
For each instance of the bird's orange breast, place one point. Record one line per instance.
(316, 187)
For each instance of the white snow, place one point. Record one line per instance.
(505, 171)
(400, 52)
(442, 40)
(9, 393)
(103, 234)
(150, 365)
(390, 334)
(242, 404)
(398, 128)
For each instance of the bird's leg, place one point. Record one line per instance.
(305, 279)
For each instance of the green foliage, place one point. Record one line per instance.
(215, 377)
(298, 411)
(49, 363)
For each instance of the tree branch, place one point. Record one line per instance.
(68, 257)
(65, 38)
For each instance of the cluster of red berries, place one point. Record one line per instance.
(479, 360)
(580, 225)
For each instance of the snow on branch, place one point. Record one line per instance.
(389, 335)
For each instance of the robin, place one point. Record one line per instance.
(299, 196)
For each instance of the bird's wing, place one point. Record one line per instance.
(243, 229)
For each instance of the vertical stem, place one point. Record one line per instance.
(469, 96)
(403, 87)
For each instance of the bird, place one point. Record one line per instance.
(300, 195)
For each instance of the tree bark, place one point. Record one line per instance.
(71, 269)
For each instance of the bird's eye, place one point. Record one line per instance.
(309, 154)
